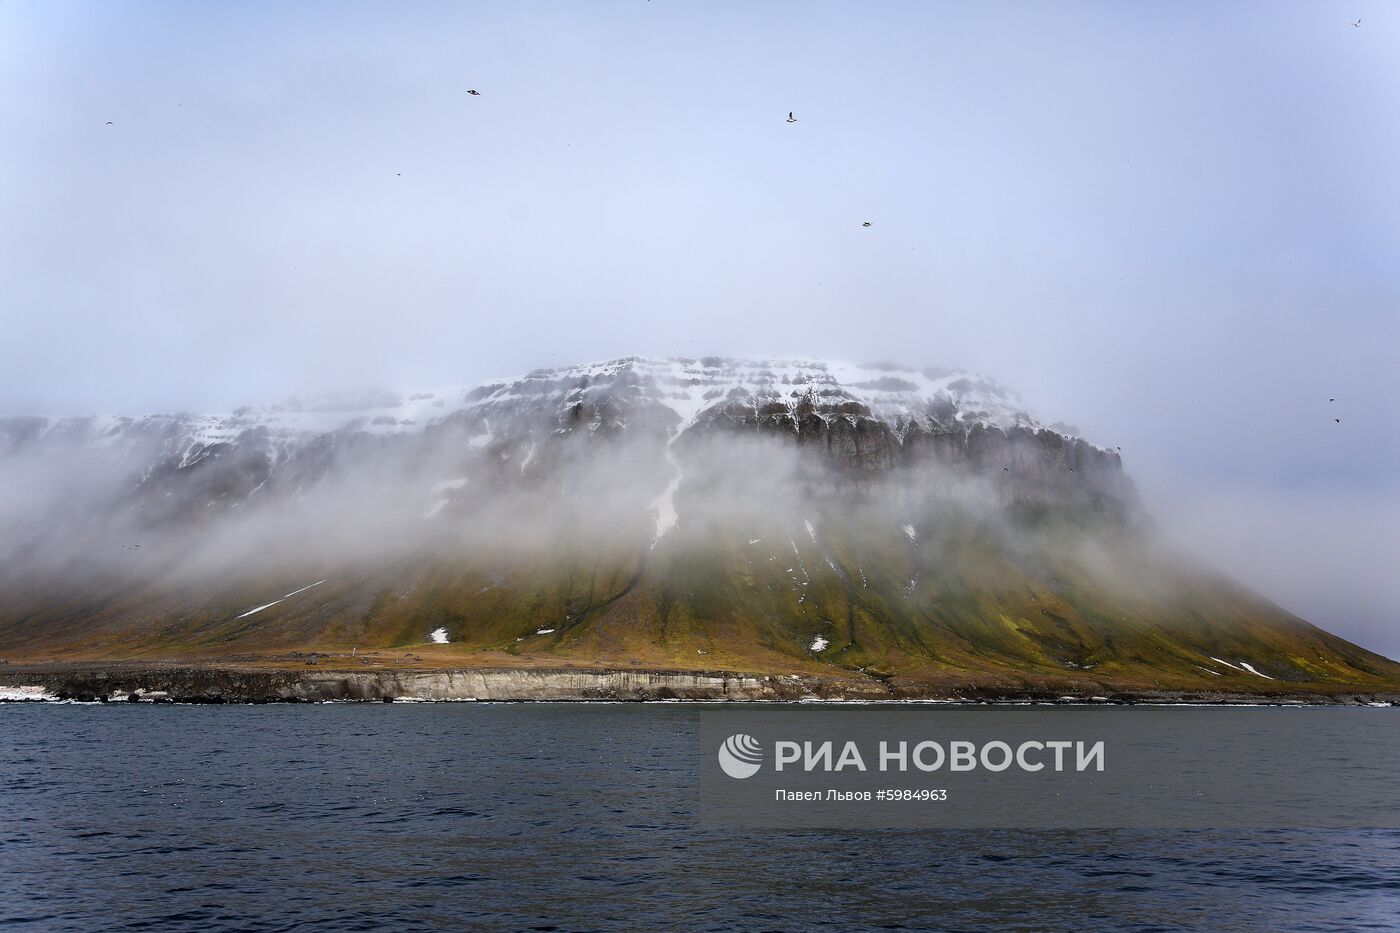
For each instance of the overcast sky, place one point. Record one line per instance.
(1177, 227)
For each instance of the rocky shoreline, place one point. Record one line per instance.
(219, 684)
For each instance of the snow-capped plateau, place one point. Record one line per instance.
(456, 443)
(685, 387)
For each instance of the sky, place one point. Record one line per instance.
(1174, 226)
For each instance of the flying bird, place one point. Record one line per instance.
(791, 118)
(1331, 400)
(1357, 24)
(474, 92)
(109, 122)
(1338, 420)
(867, 224)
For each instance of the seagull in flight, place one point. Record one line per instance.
(867, 224)
(1357, 24)
(474, 92)
(791, 118)
(109, 122)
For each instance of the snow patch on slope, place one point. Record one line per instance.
(1244, 667)
(276, 601)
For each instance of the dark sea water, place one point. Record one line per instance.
(563, 817)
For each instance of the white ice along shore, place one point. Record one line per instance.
(23, 694)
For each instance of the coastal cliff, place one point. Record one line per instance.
(218, 684)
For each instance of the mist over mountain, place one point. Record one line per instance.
(914, 526)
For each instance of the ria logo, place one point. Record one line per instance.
(741, 756)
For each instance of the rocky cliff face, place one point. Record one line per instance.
(219, 684)
(863, 422)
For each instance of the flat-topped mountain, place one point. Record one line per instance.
(872, 523)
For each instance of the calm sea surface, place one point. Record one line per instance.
(563, 817)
